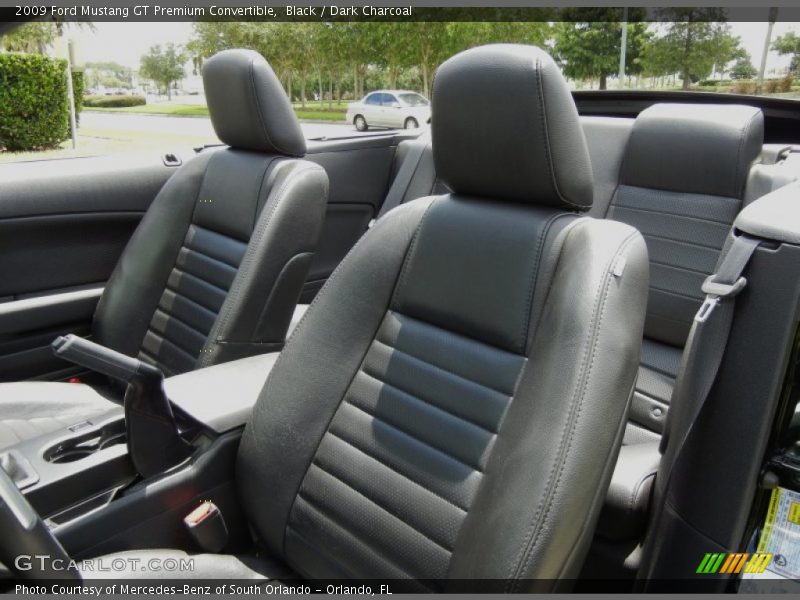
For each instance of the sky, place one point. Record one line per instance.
(125, 43)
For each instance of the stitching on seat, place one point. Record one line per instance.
(534, 531)
(375, 502)
(436, 367)
(407, 434)
(516, 565)
(636, 490)
(535, 279)
(543, 119)
(393, 470)
(257, 103)
(409, 256)
(238, 281)
(739, 189)
(576, 408)
(261, 229)
(322, 293)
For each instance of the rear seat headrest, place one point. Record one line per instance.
(505, 126)
(694, 148)
(247, 104)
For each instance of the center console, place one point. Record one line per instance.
(91, 485)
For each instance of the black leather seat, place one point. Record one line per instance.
(452, 402)
(215, 268)
(681, 184)
(679, 175)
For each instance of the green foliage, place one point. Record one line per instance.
(588, 41)
(743, 68)
(343, 57)
(78, 87)
(33, 102)
(34, 37)
(113, 101)
(107, 74)
(164, 66)
(691, 42)
(789, 44)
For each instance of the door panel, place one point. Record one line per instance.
(358, 169)
(63, 225)
(44, 253)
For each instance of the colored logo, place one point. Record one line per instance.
(734, 562)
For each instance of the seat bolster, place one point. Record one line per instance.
(258, 309)
(624, 515)
(177, 564)
(569, 413)
(317, 364)
(137, 282)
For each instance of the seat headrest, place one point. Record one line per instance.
(694, 148)
(247, 104)
(505, 126)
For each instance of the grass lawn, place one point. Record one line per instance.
(314, 110)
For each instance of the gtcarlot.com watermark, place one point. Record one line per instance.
(98, 566)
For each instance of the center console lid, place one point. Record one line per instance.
(222, 396)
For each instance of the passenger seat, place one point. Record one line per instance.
(678, 175)
(215, 268)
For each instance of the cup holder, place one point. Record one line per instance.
(83, 446)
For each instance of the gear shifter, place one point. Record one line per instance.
(154, 440)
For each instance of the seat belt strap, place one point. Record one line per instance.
(708, 339)
(405, 174)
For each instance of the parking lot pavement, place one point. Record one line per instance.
(194, 127)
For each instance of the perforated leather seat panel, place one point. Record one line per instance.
(197, 286)
(415, 429)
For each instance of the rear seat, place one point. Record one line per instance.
(681, 184)
(678, 174)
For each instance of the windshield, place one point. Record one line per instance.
(413, 99)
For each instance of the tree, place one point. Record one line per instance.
(107, 74)
(431, 46)
(32, 38)
(789, 44)
(392, 42)
(691, 42)
(587, 42)
(743, 68)
(164, 66)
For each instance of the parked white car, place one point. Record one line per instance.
(390, 108)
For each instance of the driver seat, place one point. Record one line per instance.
(452, 404)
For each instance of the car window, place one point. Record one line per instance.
(373, 99)
(414, 99)
(389, 100)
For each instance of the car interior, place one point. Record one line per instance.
(551, 348)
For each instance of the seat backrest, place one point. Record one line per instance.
(451, 404)
(217, 264)
(681, 185)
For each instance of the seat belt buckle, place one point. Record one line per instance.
(207, 527)
(715, 292)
